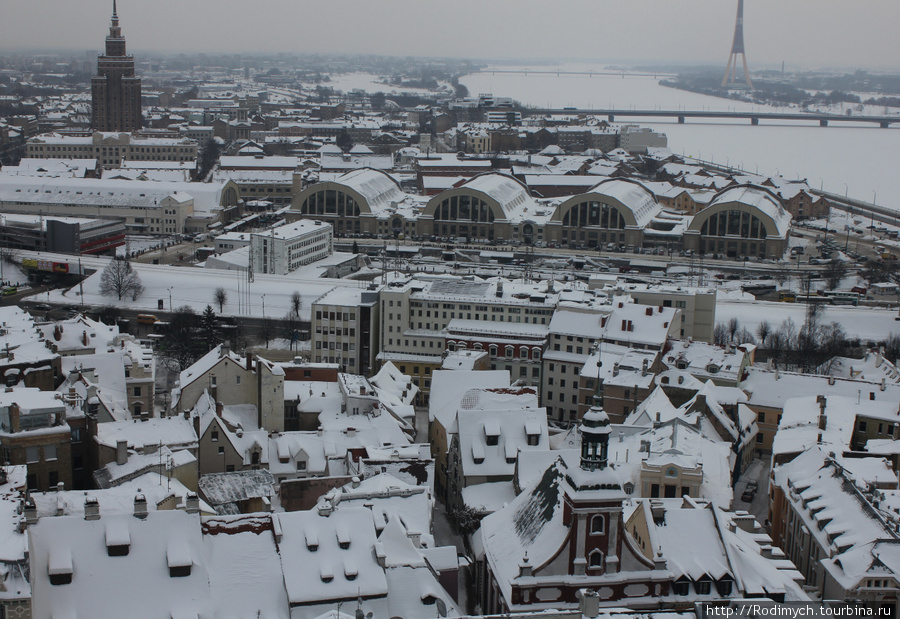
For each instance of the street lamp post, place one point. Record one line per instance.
(264, 305)
(170, 297)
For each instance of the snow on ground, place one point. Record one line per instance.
(195, 288)
(347, 82)
(866, 323)
(12, 274)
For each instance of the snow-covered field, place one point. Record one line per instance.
(196, 287)
(865, 323)
(347, 82)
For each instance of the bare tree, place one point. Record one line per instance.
(220, 297)
(296, 304)
(733, 327)
(763, 331)
(743, 336)
(834, 272)
(720, 335)
(119, 279)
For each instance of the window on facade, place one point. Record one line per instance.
(595, 559)
(32, 454)
(598, 524)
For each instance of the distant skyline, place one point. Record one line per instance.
(805, 34)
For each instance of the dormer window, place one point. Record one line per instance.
(326, 573)
(343, 538)
(477, 453)
(118, 539)
(703, 586)
(492, 432)
(312, 541)
(724, 585)
(350, 571)
(59, 567)
(178, 557)
(681, 586)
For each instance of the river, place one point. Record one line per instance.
(845, 158)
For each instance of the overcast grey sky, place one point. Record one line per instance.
(803, 33)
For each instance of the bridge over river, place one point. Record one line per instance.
(753, 117)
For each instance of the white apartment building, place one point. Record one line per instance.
(110, 149)
(344, 323)
(422, 317)
(286, 248)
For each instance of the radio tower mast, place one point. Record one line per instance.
(737, 47)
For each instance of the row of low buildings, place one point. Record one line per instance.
(493, 207)
(543, 333)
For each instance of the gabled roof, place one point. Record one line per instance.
(120, 586)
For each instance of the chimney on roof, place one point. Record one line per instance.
(616, 368)
(354, 483)
(644, 367)
(121, 452)
(658, 511)
(415, 537)
(590, 604)
(30, 511)
(192, 503)
(822, 402)
(224, 350)
(219, 408)
(91, 508)
(140, 506)
(658, 421)
(325, 508)
(60, 487)
(249, 362)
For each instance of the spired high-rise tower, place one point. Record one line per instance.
(737, 47)
(115, 91)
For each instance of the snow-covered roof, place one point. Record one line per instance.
(449, 387)
(637, 198)
(330, 557)
(172, 432)
(378, 188)
(245, 574)
(206, 197)
(758, 198)
(120, 586)
(490, 440)
(512, 196)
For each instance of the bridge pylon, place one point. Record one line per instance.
(737, 48)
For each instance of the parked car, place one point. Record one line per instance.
(748, 495)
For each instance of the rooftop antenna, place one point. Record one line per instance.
(737, 48)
